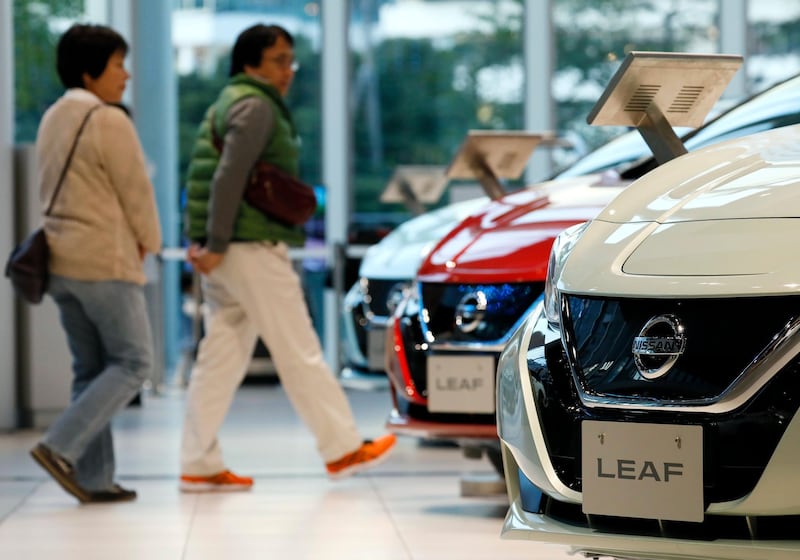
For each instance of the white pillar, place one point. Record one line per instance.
(8, 334)
(155, 102)
(733, 40)
(336, 152)
(120, 17)
(117, 14)
(538, 44)
(96, 11)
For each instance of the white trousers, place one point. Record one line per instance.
(256, 292)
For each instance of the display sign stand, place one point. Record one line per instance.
(489, 156)
(656, 91)
(415, 186)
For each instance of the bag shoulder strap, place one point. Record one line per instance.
(69, 159)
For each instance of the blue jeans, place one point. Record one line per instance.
(109, 337)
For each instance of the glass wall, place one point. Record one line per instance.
(592, 37)
(423, 74)
(203, 34)
(773, 39)
(37, 26)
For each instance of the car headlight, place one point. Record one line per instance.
(562, 247)
(411, 302)
(355, 295)
(397, 293)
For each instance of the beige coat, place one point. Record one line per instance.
(106, 208)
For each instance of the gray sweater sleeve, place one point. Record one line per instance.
(249, 127)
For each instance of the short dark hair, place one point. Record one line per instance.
(85, 49)
(251, 42)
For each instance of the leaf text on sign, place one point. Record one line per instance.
(628, 469)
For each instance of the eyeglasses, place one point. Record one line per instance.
(285, 62)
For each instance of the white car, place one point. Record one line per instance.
(385, 273)
(648, 406)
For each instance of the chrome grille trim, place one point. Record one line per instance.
(784, 347)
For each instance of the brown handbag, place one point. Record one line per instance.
(279, 195)
(27, 267)
(274, 192)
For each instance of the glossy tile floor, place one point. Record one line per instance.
(408, 508)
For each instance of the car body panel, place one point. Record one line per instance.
(727, 180)
(500, 242)
(399, 254)
(626, 250)
(686, 242)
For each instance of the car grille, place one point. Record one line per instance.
(359, 320)
(378, 294)
(737, 445)
(723, 336)
(506, 304)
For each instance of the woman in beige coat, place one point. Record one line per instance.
(103, 222)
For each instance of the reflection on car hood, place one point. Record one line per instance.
(717, 222)
(509, 239)
(399, 254)
(750, 177)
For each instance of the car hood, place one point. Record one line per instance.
(721, 221)
(399, 254)
(509, 239)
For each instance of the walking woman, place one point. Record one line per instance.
(102, 224)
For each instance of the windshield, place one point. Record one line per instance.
(623, 149)
(777, 106)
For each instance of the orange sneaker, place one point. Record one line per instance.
(368, 455)
(225, 481)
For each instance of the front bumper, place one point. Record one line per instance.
(407, 425)
(520, 524)
(362, 343)
(411, 415)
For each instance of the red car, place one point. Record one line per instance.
(471, 293)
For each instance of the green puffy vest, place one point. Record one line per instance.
(281, 150)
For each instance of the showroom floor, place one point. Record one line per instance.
(408, 508)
